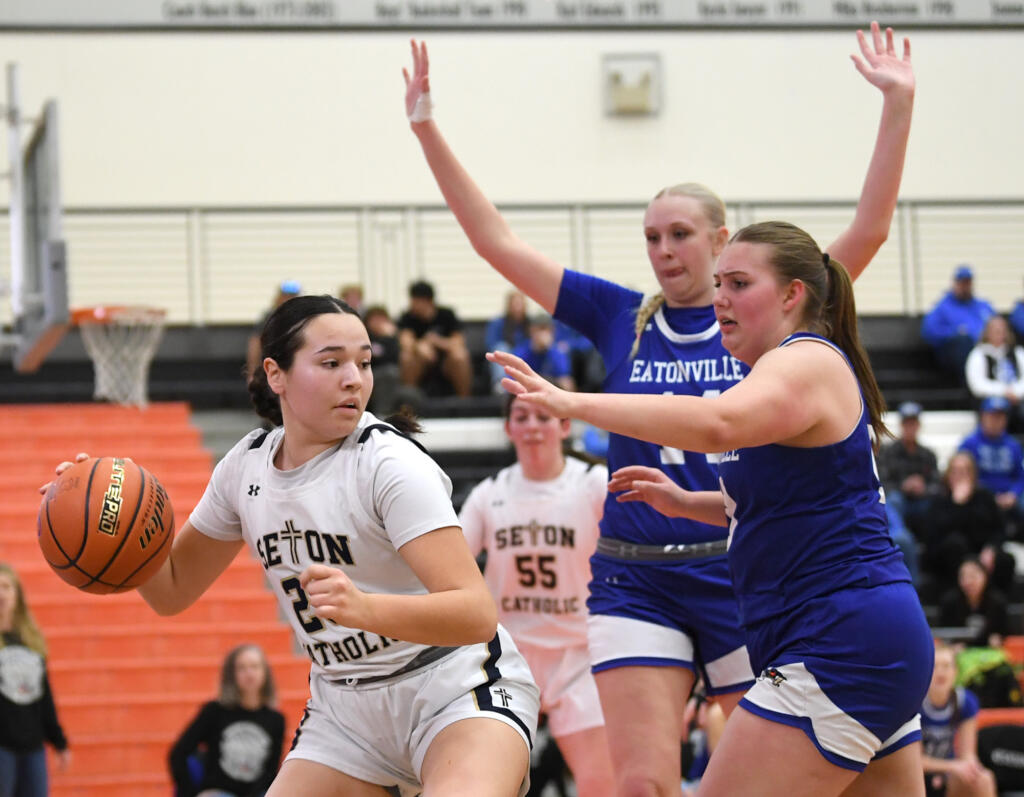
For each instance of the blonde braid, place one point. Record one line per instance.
(644, 312)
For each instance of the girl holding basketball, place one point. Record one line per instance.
(413, 684)
(28, 716)
(661, 603)
(537, 520)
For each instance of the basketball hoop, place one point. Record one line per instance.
(121, 342)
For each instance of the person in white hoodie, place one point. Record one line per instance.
(995, 367)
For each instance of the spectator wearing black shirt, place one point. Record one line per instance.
(389, 394)
(909, 471)
(976, 605)
(434, 356)
(28, 716)
(238, 736)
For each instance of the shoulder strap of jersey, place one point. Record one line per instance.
(258, 441)
(383, 427)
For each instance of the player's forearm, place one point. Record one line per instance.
(873, 217)
(449, 617)
(704, 507)
(676, 421)
(937, 765)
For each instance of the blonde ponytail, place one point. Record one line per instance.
(644, 312)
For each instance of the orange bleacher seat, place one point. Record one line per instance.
(1000, 716)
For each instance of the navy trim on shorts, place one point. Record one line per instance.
(899, 744)
(298, 729)
(643, 661)
(483, 692)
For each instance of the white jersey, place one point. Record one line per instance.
(351, 507)
(539, 536)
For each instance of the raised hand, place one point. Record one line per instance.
(881, 66)
(650, 485)
(528, 385)
(417, 88)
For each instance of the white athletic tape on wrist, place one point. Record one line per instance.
(422, 110)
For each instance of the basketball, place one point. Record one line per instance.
(105, 525)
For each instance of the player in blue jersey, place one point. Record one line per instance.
(661, 605)
(833, 624)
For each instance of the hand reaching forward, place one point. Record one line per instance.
(333, 596)
(881, 66)
(63, 466)
(528, 385)
(649, 485)
(418, 106)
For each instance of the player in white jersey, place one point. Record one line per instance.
(413, 684)
(538, 522)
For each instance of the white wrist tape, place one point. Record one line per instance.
(422, 110)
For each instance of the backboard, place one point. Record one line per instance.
(38, 284)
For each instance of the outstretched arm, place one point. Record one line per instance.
(894, 76)
(653, 487)
(534, 273)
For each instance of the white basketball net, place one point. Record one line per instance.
(121, 344)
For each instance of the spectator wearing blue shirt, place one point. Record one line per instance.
(508, 332)
(1017, 318)
(954, 325)
(543, 356)
(1000, 458)
(949, 734)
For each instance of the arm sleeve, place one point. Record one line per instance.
(51, 726)
(411, 494)
(216, 514)
(184, 746)
(474, 519)
(590, 304)
(969, 706)
(978, 380)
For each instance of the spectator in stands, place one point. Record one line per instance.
(703, 724)
(909, 471)
(507, 332)
(954, 325)
(433, 352)
(964, 519)
(238, 737)
(1000, 461)
(995, 369)
(543, 356)
(949, 734)
(975, 604)
(389, 394)
(285, 291)
(352, 295)
(28, 716)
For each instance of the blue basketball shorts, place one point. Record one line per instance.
(850, 669)
(680, 614)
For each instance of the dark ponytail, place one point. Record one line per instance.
(280, 339)
(830, 310)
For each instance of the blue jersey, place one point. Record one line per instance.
(680, 352)
(939, 724)
(806, 522)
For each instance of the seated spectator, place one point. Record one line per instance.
(587, 364)
(954, 325)
(352, 295)
(389, 394)
(949, 735)
(238, 736)
(976, 605)
(963, 520)
(1000, 461)
(285, 291)
(433, 350)
(507, 332)
(909, 471)
(995, 369)
(543, 356)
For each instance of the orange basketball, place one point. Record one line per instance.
(105, 525)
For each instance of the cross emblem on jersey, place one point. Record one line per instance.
(504, 695)
(254, 489)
